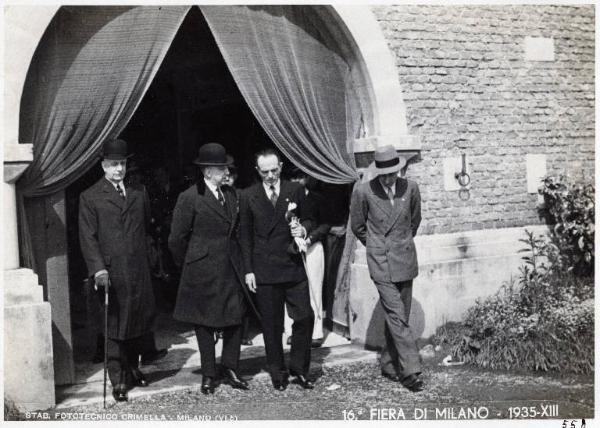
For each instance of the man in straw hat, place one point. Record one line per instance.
(113, 218)
(385, 215)
(204, 242)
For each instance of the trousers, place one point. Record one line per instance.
(230, 355)
(271, 299)
(400, 355)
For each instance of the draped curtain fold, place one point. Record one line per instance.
(91, 69)
(295, 81)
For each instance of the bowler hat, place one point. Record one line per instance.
(387, 160)
(213, 154)
(115, 150)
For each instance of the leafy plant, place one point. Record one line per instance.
(570, 207)
(542, 321)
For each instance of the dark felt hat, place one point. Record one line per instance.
(213, 154)
(115, 150)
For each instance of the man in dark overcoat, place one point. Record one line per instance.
(113, 220)
(204, 242)
(385, 215)
(277, 276)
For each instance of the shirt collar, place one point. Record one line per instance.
(121, 184)
(267, 187)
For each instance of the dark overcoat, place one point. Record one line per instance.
(112, 235)
(265, 234)
(387, 231)
(204, 242)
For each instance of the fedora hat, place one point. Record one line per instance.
(387, 160)
(115, 150)
(213, 154)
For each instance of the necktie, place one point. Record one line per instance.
(220, 197)
(120, 191)
(273, 197)
(390, 195)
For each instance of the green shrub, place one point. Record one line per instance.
(570, 207)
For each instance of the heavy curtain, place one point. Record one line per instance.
(292, 75)
(87, 77)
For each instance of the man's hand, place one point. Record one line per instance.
(101, 280)
(251, 282)
(298, 231)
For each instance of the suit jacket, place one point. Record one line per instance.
(265, 234)
(317, 205)
(112, 235)
(204, 241)
(387, 231)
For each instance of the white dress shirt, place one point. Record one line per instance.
(267, 188)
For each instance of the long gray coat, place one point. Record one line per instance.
(112, 235)
(204, 242)
(388, 231)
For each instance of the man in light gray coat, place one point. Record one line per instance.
(385, 215)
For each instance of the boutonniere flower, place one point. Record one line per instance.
(290, 214)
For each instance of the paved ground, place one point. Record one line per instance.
(348, 385)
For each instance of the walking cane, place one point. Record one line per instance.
(105, 338)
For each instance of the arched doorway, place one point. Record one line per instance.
(370, 103)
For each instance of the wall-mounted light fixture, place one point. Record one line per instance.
(463, 178)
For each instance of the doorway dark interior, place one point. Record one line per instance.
(192, 100)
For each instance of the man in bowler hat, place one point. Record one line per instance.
(204, 242)
(113, 221)
(385, 215)
(277, 276)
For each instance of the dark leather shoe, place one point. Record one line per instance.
(138, 378)
(392, 377)
(279, 384)
(303, 381)
(230, 377)
(151, 356)
(120, 393)
(247, 342)
(208, 386)
(413, 383)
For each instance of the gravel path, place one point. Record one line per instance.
(358, 391)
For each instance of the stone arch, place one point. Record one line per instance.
(374, 73)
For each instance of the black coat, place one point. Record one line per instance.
(265, 235)
(112, 235)
(204, 241)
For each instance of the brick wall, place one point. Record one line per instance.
(468, 88)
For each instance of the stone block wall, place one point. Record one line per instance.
(469, 88)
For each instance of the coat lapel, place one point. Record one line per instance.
(399, 203)
(263, 204)
(281, 205)
(214, 204)
(231, 208)
(111, 194)
(131, 196)
(381, 198)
